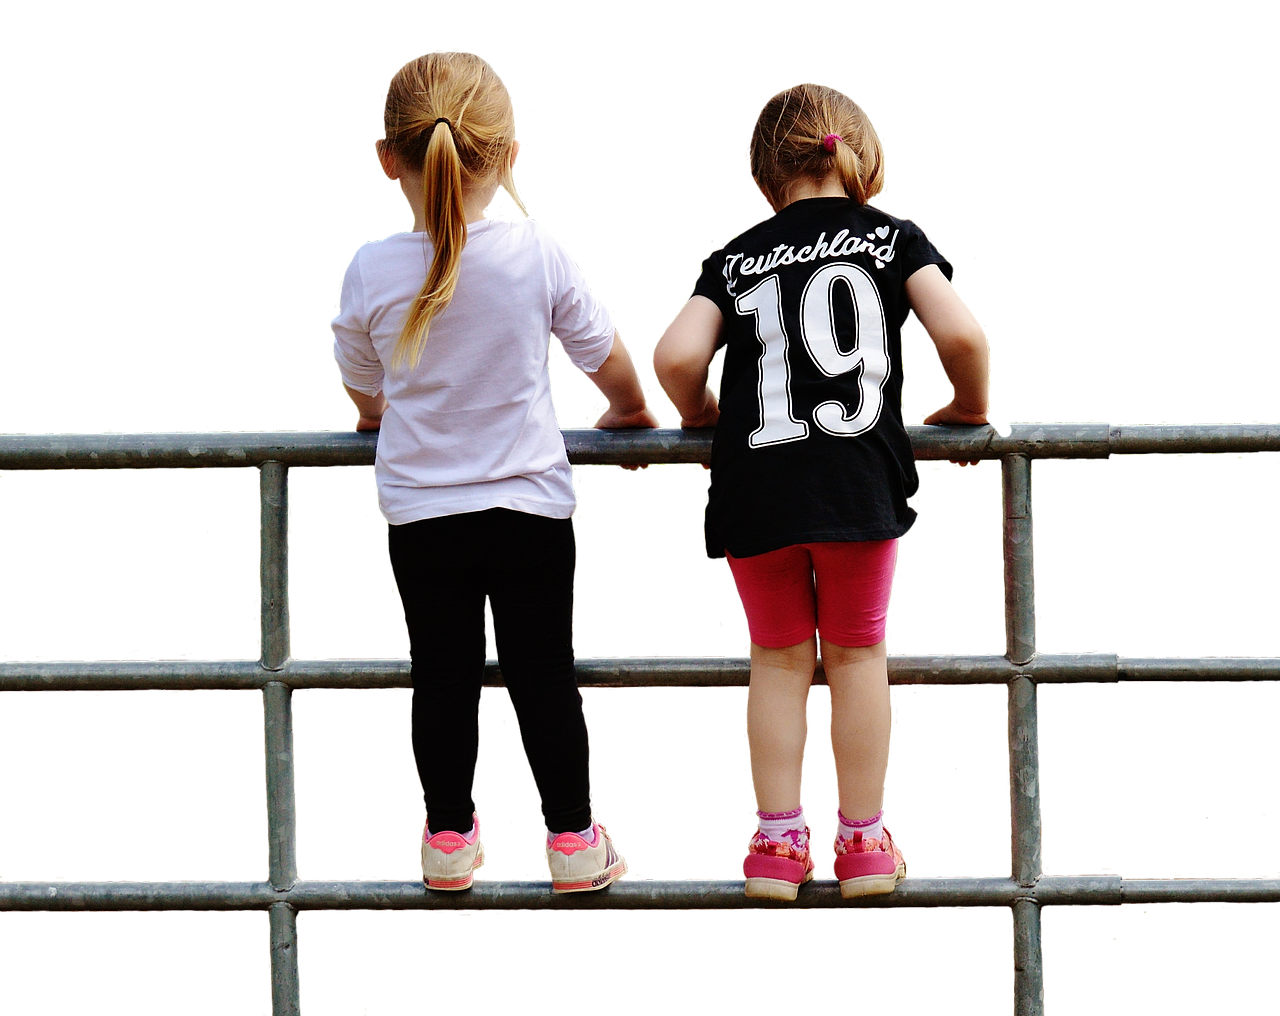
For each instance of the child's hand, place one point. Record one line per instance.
(953, 415)
(370, 408)
(638, 419)
(709, 417)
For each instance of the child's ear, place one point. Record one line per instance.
(385, 160)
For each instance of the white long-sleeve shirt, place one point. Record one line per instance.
(472, 425)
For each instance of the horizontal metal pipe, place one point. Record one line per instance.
(142, 675)
(184, 451)
(658, 672)
(1213, 668)
(1199, 438)
(1110, 890)
(618, 447)
(632, 894)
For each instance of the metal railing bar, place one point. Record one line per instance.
(284, 961)
(1212, 668)
(141, 675)
(274, 564)
(282, 850)
(1202, 438)
(277, 721)
(594, 447)
(639, 672)
(1024, 746)
(1111, 890)
(1019, 573)
(632, 894)
(1020, 669)
(1028, 959)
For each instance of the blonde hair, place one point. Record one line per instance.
(791, 141)
(449, 115)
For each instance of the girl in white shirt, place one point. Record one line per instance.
(442, 343)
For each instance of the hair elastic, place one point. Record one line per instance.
(440, 120)
(829, 142)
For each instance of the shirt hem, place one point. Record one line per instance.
(547, 509)
(818, 536)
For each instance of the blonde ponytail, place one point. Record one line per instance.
(450, 114)
(849, 169)
(447, 228)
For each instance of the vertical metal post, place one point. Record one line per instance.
(1024, 750)
(277, 708)
(281, 835)
(283, 957)
(1019, 576)
(274, 564)
(1028, 972)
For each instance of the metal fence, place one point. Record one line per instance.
(282, 895)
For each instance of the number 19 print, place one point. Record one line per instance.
(778, 423)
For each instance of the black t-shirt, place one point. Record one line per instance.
(810, 446)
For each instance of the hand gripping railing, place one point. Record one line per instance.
(1021, 669)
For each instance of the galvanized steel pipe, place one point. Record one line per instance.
(595, 447)
(630, 894)
(651, 672)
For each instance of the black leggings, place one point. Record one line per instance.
(445, 567)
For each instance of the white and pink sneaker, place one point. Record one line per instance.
(578, 866)
(449, 859)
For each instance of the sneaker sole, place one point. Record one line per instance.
(773, 888)
(870, 885)
(598, 881)
(449, 884)
(452, 883)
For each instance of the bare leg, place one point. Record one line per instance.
(776, 724)
(859, 681)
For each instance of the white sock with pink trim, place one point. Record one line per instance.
(784, 827)
(588, 834)
(871, 828)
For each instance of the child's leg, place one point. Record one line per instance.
(776, 722)
(778, 596)
(853, 582)
(434, 561)
(859, 681)
(531, 591)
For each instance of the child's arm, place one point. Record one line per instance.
(961, 344)
(617, 380)
(681, 360)
(370, 407)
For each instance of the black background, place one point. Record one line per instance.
(179, 274)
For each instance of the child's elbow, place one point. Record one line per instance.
(669, 360)
(968, 341)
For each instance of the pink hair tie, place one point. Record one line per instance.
(829, 142)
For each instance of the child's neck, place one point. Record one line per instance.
(806, 187)
(474, 200)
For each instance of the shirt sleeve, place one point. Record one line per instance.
(358, 361)
(918, 251)
(580, 321)
(714, 285)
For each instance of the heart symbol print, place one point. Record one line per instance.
(871, 236)
(879, 264)
(882, 231)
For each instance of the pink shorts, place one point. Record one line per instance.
(841, 589)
